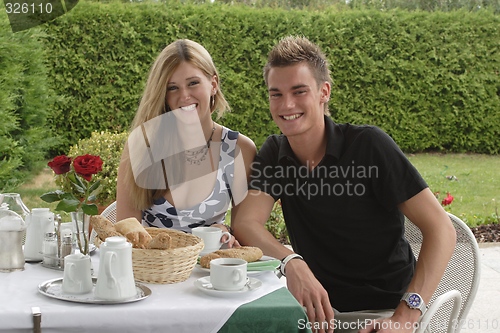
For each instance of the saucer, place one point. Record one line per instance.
(204, 285)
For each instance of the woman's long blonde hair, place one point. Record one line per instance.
(153, 102)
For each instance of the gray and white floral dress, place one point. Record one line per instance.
(211, 210)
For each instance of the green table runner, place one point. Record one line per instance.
(276, 312)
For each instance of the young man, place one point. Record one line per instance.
(344, 191)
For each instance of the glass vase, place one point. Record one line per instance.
(81, 223)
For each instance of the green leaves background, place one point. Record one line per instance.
(431, 80)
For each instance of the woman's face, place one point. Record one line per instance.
(189, 90)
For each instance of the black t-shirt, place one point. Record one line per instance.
(342, 217)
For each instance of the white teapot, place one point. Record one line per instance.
(115, 280)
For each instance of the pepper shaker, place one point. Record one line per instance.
(66, 247)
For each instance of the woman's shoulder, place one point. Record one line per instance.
(244, 143)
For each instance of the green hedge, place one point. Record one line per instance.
(25, 99)
(429, 79)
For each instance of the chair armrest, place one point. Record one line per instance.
(434, 307)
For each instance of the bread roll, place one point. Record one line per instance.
(160, 241)
(134, 231)
(248, 253)
(103, 227)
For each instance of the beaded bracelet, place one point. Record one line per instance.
(228, 228)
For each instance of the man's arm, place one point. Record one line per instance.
(438, 244)
(248, 223)
(249, 228)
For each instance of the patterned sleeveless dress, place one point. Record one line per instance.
(212, 209)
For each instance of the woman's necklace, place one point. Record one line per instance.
(199, 155)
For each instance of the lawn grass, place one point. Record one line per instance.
(475, 185)
(473, 180)
(35, 186)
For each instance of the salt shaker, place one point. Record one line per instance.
(50, 249)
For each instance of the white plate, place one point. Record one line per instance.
(53, 288)
(204, 285)
(265, 258)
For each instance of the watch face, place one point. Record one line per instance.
(414, 300)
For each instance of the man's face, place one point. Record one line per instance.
(295, 100)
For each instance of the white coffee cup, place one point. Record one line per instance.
(77, 278)
(211, 238)
(115, 280)
(228, 274)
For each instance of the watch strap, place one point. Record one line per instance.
(414, 301)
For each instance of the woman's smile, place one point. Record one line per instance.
(191, 107)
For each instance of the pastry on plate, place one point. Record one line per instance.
(248, 253)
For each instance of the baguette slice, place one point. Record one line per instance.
(103, 227)
(135, 233)
(160, 241)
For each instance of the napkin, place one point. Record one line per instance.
(266, 265)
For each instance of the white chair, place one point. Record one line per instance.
(453, 298)
(109, 213)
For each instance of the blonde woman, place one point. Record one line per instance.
(180, 169)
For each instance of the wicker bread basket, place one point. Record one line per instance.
(166, 266)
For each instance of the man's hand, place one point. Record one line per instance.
(310, 293)
(402, 321)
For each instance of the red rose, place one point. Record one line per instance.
(60, 164)
(87, 165)
(448, 200)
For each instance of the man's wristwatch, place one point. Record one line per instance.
(414, 301)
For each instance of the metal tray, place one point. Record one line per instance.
(53, 288)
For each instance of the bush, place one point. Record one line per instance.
(25, 101)
(276, 224)
(109, 147)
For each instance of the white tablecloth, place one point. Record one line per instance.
(178, 307)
